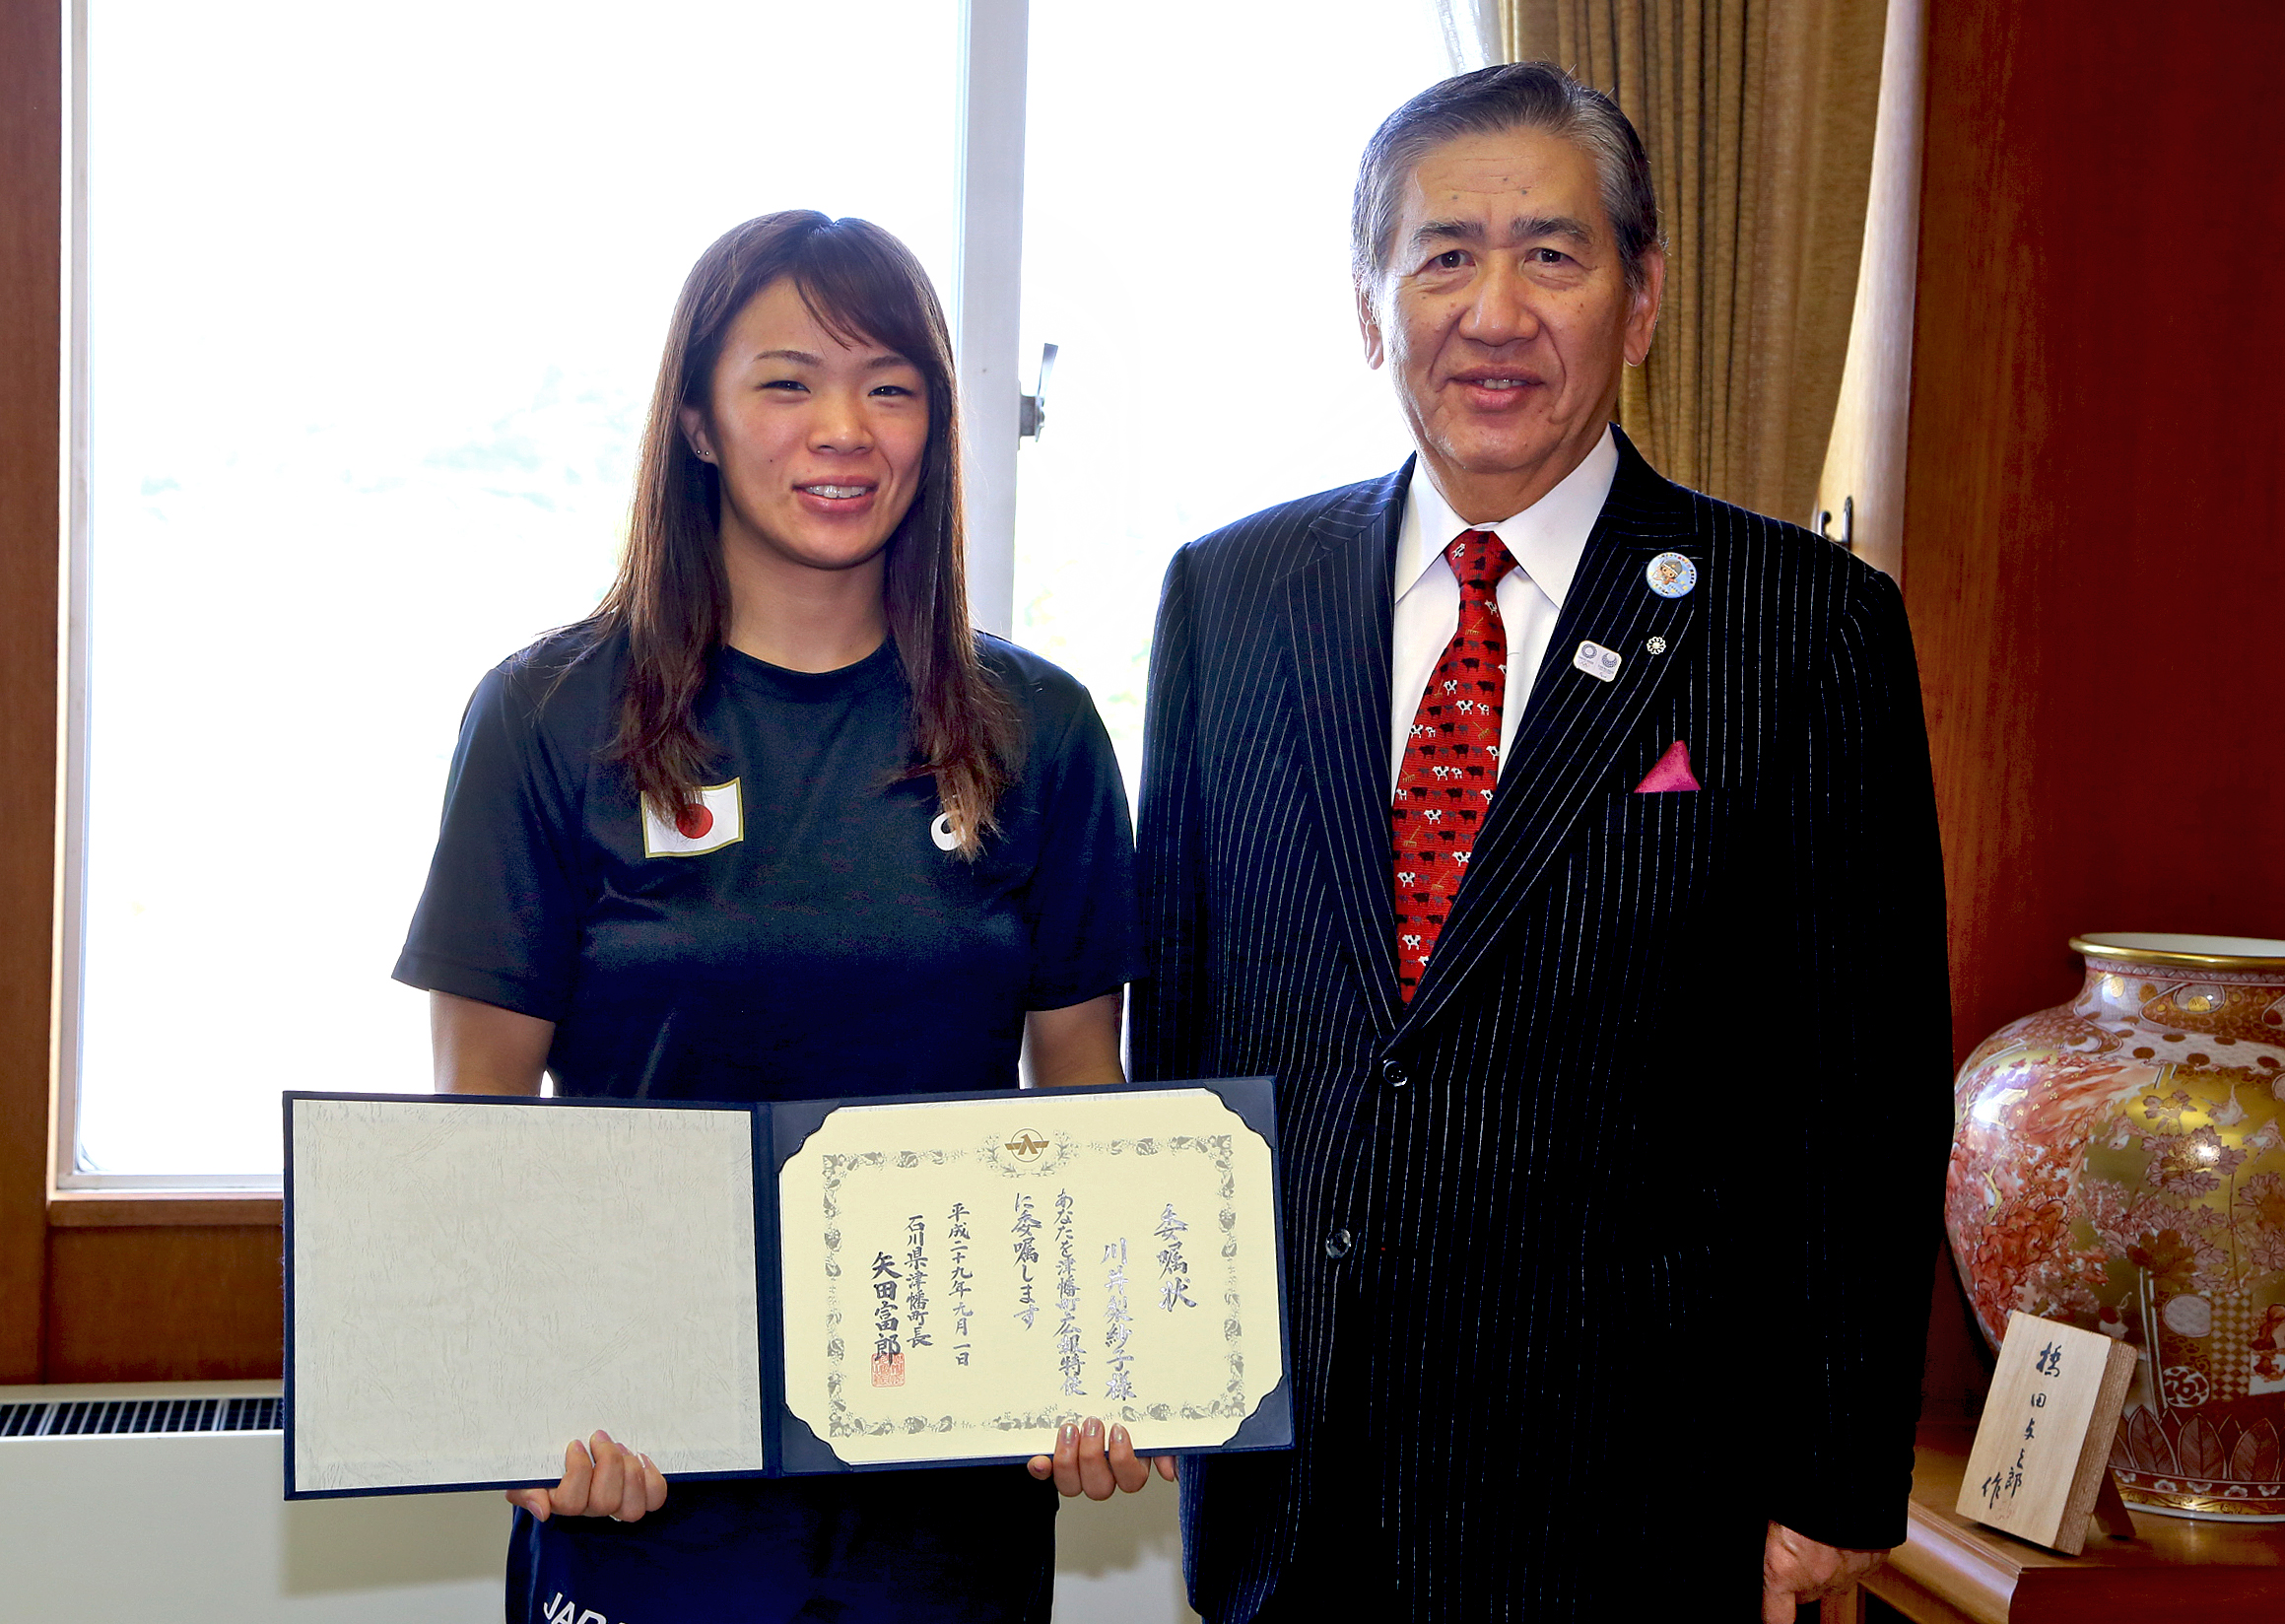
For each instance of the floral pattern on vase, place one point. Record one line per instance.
(2119, 1164)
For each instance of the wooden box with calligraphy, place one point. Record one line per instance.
(2042, 1451)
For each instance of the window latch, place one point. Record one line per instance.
(1823, 524)
(1031, 409)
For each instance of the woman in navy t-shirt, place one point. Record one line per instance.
(775, 823)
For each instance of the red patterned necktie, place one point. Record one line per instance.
(1450, 758)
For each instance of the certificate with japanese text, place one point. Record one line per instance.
(815, 1286)
(961, 1277)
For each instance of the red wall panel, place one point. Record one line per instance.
(2095, 514)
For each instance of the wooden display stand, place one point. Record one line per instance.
(1953, 1571)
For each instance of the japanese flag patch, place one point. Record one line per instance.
(715, 820)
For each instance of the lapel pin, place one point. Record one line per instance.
(1671, 576)
(1597, 661)
(1656, 645)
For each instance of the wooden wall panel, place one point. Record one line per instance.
(2095, 520)
(31, 210)
(123, 1288)
(164, 1304)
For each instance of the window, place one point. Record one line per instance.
(1187, 246)
(373, 301)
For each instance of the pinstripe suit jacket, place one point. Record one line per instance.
(1634, 1203)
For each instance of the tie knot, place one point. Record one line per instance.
(1479, 557)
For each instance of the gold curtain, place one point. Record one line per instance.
(1759, 121)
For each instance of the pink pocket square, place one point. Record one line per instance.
(1672, 772)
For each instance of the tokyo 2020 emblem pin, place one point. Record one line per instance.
(1671, 576)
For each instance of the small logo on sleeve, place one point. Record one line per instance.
(946, 837)
(715, 820)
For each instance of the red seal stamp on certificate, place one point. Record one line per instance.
(889, 1370)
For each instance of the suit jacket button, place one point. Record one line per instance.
(1394, 1073)
(1337, 1245)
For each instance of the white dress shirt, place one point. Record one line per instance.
(1546, 540)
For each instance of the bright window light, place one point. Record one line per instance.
(376, 297)
(1186, 212)
(373, 305)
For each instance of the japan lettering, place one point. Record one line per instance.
(1025, 1229)
(888, 1351)
(1119, 1322)
(1174, 1268)
(915, 1288)
(963, 1280)
(1067, 1352)
(2007, 1480)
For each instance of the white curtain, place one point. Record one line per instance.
(1471, 33)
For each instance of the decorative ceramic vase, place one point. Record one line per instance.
(2119, 1164)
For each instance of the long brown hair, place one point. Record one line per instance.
(672, 598)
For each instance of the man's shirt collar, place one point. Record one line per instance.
(1547, 538)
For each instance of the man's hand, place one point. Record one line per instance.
(1796, 1570)
(1083, 1463)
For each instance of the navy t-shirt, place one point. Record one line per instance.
(809, 933)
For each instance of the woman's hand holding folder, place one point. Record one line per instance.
(1092, 1461)
(601, 1479)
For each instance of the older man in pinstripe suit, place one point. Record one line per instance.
(1562, 840)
